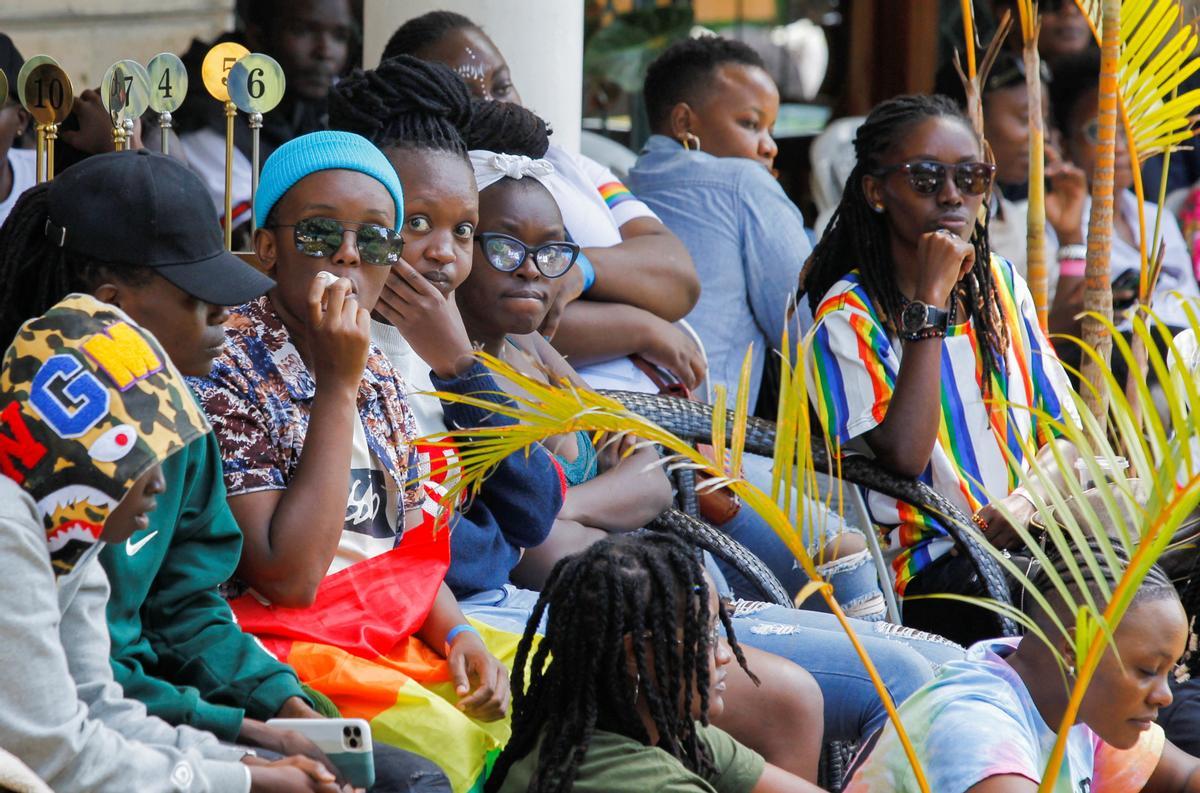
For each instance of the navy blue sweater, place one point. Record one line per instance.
(514, 509)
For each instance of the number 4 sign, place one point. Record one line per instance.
(168, 82)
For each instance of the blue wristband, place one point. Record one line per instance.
(453, 633)
(585, 267)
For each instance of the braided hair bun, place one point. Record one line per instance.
(403, 103)
(506, 128)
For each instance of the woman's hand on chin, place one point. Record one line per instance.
(428, 320)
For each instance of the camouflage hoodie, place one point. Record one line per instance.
(88, 403)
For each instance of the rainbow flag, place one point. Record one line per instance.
(355, 646)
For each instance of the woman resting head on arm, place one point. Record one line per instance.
(523, 251)
(986, 724)
(629, 671)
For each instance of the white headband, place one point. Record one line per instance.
(491, 167)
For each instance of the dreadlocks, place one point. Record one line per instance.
(35, 273)
(645, 585)
(424, 31)
(857, 237)
(404, 103)
(507, 128)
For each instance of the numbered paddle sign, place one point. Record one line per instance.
(45, 90)
(168, 82)
(256, 83)
(125, 90)
(215, 69)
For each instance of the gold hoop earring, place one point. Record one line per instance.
(690, 141)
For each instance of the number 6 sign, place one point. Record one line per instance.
(256, 83)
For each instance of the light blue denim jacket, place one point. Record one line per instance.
(746, 238)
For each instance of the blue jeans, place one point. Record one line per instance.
(854, 579)
(906, 659)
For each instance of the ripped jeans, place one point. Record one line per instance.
(854, 578)
(905, 658)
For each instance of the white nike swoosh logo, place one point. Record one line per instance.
(132, 547)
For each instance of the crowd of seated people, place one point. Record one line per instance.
(223, 493)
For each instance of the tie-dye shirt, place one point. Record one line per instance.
(853, 366)
(976, 720)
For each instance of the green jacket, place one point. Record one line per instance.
(175, 645)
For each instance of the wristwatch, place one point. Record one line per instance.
(922, 321)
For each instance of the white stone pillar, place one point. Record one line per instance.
(542, 40)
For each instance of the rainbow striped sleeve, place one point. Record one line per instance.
(615, 193)
(1045, 380)
(850, 367)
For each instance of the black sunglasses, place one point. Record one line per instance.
(928, 176)
(321, 237)
(506, 254)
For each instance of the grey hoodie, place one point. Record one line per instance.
(60, 711)
(88, 402)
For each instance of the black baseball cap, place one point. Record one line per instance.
(141, 208)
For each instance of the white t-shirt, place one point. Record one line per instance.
(205, 150)
(371, 508)
(594, 205)
(1008, 236)
(24, 170)
(1177, 273)
(426, 410)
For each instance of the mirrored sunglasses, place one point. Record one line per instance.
(928, 176)
(506, 254)
(321, 237)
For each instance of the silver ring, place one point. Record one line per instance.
(947, 232)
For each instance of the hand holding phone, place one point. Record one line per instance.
(346, 742)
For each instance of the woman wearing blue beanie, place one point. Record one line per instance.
(345, 546)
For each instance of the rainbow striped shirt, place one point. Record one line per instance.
(853, 366)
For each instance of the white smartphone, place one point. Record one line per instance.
(346, 742)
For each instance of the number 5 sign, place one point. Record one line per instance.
(256, 83)
(215, 68)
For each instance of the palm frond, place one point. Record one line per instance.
(1086, 530)
(1157, 54)
(556, 409)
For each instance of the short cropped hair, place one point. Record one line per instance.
(681, 71)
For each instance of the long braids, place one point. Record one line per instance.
(404, 103)
(35, 273)
(857, 236)
(646, 586)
